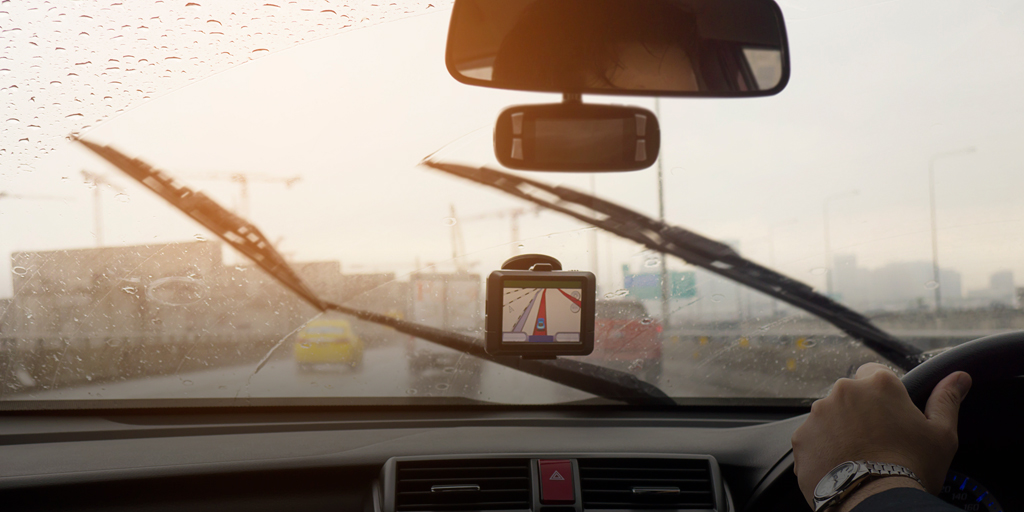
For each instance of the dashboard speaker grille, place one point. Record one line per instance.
(464, 484)
(646, 484)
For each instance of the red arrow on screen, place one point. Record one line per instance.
(570, 297)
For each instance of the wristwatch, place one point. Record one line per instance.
(844, 478)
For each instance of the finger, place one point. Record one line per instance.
(944, 403)
(869, 369)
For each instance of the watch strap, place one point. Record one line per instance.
(886, 469)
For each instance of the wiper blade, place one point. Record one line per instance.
(693, 248)
(247, 239)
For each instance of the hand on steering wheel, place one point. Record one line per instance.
(872, 417)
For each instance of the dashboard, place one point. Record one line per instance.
(453, 458)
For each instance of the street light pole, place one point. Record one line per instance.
(935, 233)
(593, 232)
(665, 284)
(828, 243)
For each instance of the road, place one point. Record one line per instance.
(386, 373)
(541, 314)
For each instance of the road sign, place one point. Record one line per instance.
(683, 285)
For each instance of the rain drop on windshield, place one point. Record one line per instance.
(84, 51)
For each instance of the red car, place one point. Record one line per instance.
(625, 335)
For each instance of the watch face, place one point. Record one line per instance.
(835, 480)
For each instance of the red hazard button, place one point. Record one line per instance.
(556, 484)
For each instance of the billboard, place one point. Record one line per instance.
(683, 284)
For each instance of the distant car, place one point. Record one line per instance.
(624, 334)
(328, 341)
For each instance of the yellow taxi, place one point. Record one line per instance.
(328, 341)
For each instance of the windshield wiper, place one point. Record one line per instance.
(247, 239)
(694, 249)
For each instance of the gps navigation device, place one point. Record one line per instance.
(540, 313)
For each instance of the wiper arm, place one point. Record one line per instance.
(247, 239)
(693, 248)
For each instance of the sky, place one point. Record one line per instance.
(877, 91)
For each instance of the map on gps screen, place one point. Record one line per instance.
(541, 311)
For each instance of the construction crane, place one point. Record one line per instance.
(8, 195)
(243, 179)
(512, 214)
(98, 180)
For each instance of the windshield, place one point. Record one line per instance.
(884, 176)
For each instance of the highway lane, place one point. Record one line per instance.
(385, 372)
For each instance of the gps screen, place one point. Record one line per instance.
(541, 311)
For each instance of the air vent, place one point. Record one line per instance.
(473, 484)
(646, 484)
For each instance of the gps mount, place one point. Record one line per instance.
(531, 261)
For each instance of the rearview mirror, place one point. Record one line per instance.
(705, 48)
(576, 137)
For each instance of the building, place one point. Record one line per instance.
(896, 286)
(118, 312)
(163, 291)
(169, 290)
(1001, 292)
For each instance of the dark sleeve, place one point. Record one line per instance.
(904, 499)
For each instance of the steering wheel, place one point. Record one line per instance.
(994, 357)
(986, 359)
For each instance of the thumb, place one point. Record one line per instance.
(944, 404)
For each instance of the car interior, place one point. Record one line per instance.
(616, 438)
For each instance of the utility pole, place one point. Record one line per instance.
(934, 224)
(593, 231)
(458, 243)
(97, 214)
(666, 286)
(513, 217)
(98, 181)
